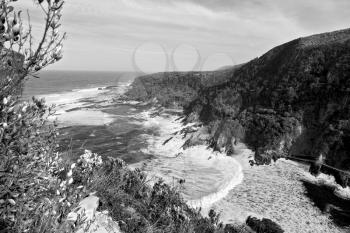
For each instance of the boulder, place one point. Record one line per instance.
(263, 226)
(94, 221)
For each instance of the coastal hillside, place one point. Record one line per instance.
(292, 101)
(177, 88)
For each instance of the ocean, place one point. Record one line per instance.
(93, 115)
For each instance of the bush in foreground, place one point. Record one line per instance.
(32, 197)
(141, 207)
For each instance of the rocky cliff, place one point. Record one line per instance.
(176, 88)
(292, 101)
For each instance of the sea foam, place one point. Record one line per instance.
(76, 107)
(208, 175)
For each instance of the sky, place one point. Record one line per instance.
(182, 35)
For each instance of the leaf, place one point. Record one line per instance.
(11, 201)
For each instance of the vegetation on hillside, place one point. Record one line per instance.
(32, 197)
(292, 101)
(176, 88)
(139, 206)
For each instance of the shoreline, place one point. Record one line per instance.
(228, 187)
(168, 165)
(206, 202)
(280, 192)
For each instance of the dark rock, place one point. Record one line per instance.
(325, 199)
(315, 169)
(263, 226)
(168, 140)
(230, 229)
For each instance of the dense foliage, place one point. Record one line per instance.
(175, 88)
(33, 198)
(139, 206)
(294, 101)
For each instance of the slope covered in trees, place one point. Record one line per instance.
(176, 88)
(293, 101)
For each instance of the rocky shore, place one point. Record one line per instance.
(291, 102)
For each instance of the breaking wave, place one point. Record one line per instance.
(82, 106)
(208, 175)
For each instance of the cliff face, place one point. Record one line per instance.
(176, 88)
(293, 100)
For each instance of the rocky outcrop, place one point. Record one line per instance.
(176, 88)
(263, 226)
(93, 221)
(292, 101)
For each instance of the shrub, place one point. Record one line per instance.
(32, 197)
(139, 206)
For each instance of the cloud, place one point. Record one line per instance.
(102, 35)
(316, 14)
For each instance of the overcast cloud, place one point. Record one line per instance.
(201, 34)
